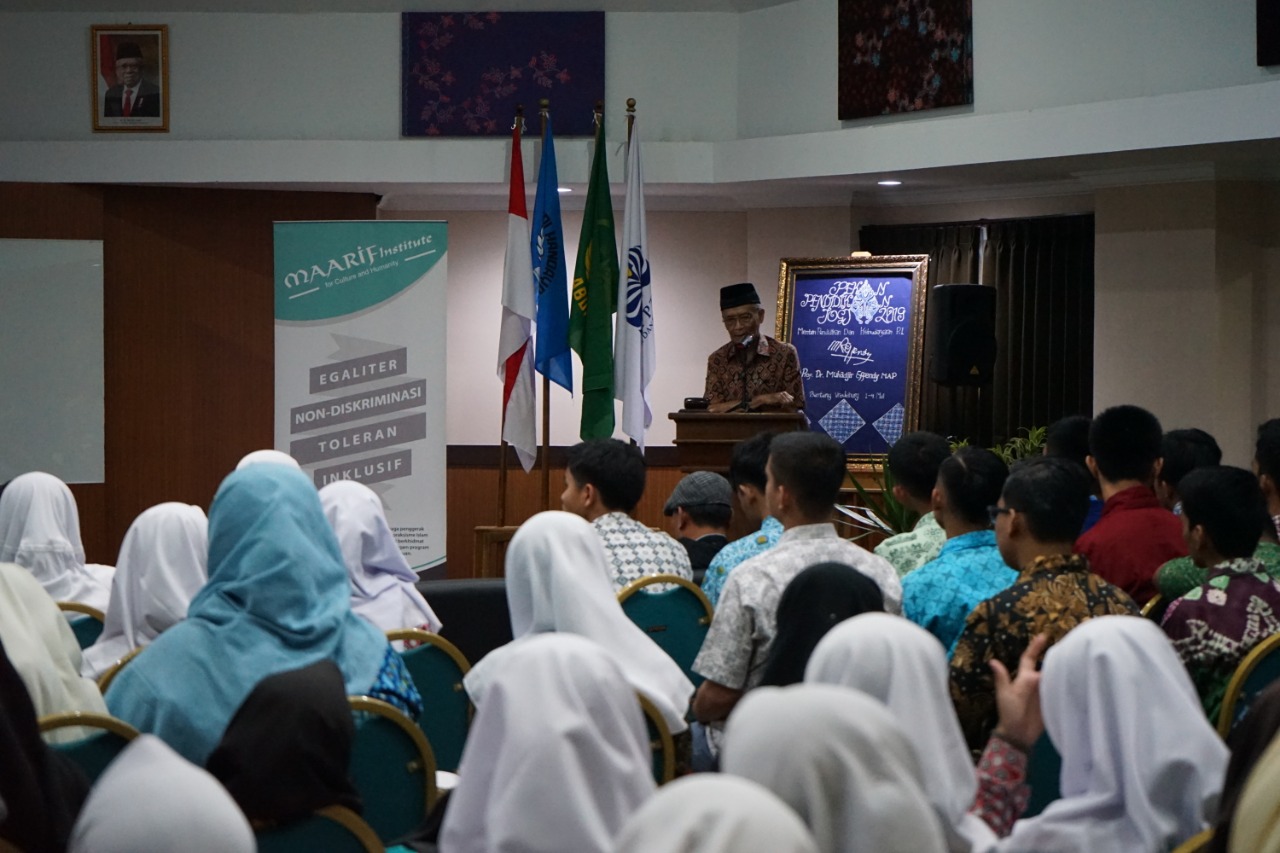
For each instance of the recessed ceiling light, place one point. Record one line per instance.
(564, 189)
(889, 183)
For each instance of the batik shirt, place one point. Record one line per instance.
(1178, 577)
(635, 551)
(774, 367)
(1216, 624)
(909, 551)
(736, 552)
(1051, 596)
(941, 593)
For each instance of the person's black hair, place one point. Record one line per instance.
(1228, 503)
(811, 466)
(1267, 451)
(1068, 438)
(615, 469)
(710, 515)
(1124, 442)
(1185, 450)
(1052, 494)
(914, 460)
(972, 478)
(746, 467)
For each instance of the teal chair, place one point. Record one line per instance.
(438, 667)
(332, 829)
(661, 743)
(1044, 775)
(88, 627)
(392, 766)
(677, 618)
(96, 750)
(1255, 673)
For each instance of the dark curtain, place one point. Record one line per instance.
(1042, 270)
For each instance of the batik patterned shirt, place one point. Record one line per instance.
(1051, 596)
(635, 551)
(1216, 624)
(774, 366)
(911, 550)
(1178, 577)
(941, 593)
(737, 552)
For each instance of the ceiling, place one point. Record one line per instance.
(366, 6)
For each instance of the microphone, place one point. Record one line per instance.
(746, 342)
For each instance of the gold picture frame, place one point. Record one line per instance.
(858, 324)
(130, 78)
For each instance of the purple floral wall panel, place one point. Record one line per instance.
(899, 56)
(463, 73)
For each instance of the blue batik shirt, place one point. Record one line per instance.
(939, 595)
(737, 551)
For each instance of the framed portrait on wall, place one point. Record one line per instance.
(130, 78)
(858, 326)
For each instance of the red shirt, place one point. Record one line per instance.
(1134, 537)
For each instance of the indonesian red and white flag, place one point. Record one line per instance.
(515, 342)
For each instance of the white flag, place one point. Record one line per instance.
(515, 343)
(634, 357)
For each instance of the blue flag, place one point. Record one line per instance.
(546, 244)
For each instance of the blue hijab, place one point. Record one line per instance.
(277, 599)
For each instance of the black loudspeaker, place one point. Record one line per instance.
(1268, 32)
(962, 336)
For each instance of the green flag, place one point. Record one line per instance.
(594, 299)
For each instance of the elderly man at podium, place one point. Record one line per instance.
(753, 372)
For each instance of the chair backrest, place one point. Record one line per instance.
(474, 612)
(89, 627)
(392, 766)
(438, 668)
(104, 680)
(333, 829)
(1044, 776)
(661, 744)
(98, 748)
(676, 618)
(1154, 608)
(1196, 843)
(1258, 670)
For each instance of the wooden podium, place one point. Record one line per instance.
(704, 441)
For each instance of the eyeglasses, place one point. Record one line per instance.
(994, 512)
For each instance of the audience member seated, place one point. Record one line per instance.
(714, 813)
(747, 476)
(150, 798)
(603, 483)
(1248, 742)
(1266, 464)
(700, 509)
(382, 584)
(1216, 624)
(162, 565)
(1183, 451)
(286, 752)
(913, 462)
(558, 582)
(1037, 518)
(1135, 535)
(277, 599)
(557, 758)
(41, 790)
(1255, 827)
(969, 569)
(805, 472)
(1068, 438)
(902, 665)
(269, 457)
(40, 531)
(818, 599)
(841, 761)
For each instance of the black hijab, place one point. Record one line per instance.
(816, 600)
(1248, 741)
(286, 751)
(42, 790)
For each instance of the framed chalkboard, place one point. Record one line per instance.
(858, 324)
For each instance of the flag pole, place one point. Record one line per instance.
(502, 450)
(544, 108)
(631, 120)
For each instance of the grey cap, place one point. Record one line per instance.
(701, 488)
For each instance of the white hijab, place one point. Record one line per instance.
(150, 798)
(39, 642)
(270, 457)
(837, 757)
(714, 813)
(904, 666)
(382, 584)
(557, 758)
(1142, 768)
(558, 580)
(40, 531)
(163, 563)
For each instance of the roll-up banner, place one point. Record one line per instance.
(360, 366)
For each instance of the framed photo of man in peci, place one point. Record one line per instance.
(858, 325)
(130, 78)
